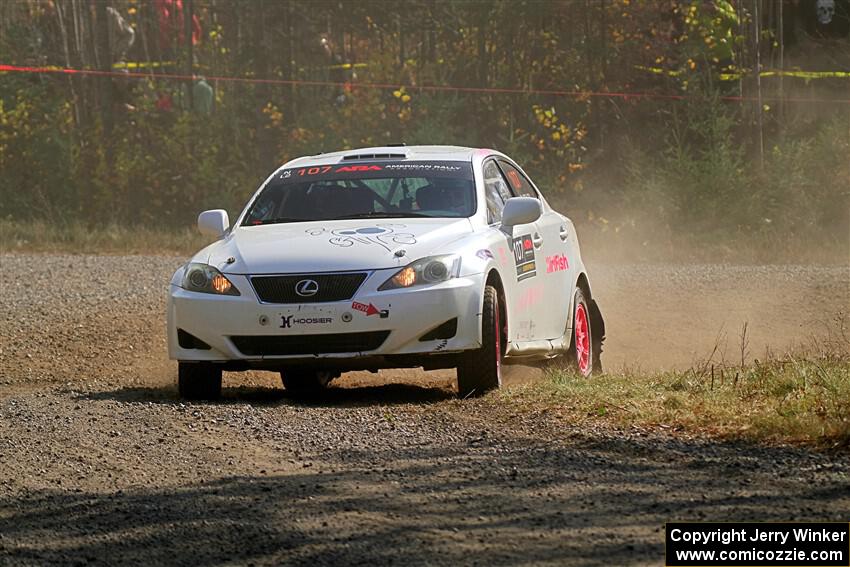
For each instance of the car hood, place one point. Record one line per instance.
(326, 246)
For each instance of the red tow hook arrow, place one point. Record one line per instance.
(367, 309)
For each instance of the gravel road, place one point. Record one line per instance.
(100, 463)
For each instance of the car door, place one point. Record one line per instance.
(527, 289)
(554, 270)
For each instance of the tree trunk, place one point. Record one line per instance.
(759, 103)
(188, 28)
(288, 63)
(104, 58)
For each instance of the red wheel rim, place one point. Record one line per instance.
(582, 337)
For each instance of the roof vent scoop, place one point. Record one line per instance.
(354, 157)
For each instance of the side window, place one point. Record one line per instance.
(496, 191)
(519, 183)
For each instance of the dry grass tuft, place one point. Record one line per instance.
(801, 397)
(79, 238)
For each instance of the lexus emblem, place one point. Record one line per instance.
(307, 288)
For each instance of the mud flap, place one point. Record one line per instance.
(597, 326)
(596, 321)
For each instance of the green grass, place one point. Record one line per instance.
(79, 238)
(796, 398)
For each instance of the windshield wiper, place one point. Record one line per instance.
(369, 215)
(384, 215)
(276, 220)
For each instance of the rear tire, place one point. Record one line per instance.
(302, 382)
(585, 347)
(198, 380)
(480, 370)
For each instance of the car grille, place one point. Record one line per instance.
(331, 287)
(273, 345)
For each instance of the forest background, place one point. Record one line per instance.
(647, 122)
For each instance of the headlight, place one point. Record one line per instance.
(207, 279)
(433, 269)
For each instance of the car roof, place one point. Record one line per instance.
(413, 153)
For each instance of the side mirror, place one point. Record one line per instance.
(213, 223)
(521, 210)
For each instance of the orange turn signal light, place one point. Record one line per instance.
(221, 284)
(405, 278)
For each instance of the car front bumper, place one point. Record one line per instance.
(228, 323)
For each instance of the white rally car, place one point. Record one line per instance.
(388, 257)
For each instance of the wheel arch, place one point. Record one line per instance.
(584, 284)
(495, 279)
(597, 323)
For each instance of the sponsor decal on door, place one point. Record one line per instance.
(557, 263)
(524, 257)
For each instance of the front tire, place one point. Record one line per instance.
(585, 348)
(198, 380)
(480, 370)
(302, 382)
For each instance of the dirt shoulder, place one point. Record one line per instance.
(101, 463)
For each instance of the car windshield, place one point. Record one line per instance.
(366, 190)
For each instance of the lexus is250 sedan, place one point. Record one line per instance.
(386, 257)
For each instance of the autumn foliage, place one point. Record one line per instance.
(636, 117)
